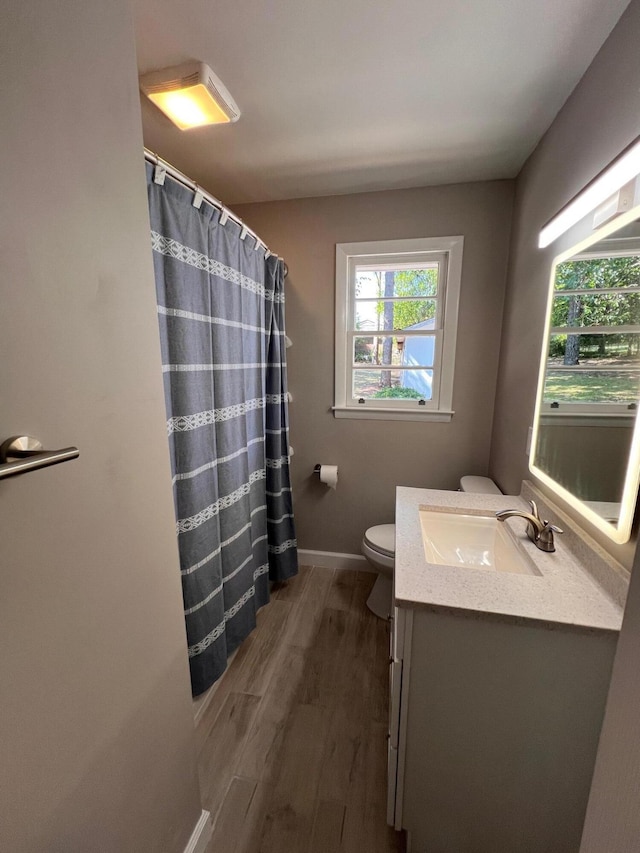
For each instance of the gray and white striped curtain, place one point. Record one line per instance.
(221, 316)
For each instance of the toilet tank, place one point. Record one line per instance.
(481, 485)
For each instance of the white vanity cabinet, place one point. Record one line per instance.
(493, 730)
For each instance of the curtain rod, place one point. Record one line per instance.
(179, 176)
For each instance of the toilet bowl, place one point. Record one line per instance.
(379, 548)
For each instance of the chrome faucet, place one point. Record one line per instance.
(540, 532)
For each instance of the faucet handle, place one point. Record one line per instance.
(545, 537)
(534, 510)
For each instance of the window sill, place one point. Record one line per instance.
(389, 414)
(588, 419)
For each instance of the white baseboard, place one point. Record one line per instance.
(201, 835)
(334, 560)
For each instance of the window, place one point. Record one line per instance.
(594, 335)
(396, 323)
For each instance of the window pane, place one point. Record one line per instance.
(418, 351)
(374, 283)
(604, 386)
(598, 273)
(393, 384)
(414, 350)
(601, 309)
(597, 351)
(376, 350)
(383, 314)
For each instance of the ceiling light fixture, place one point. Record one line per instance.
(624, 169)
(190, 95)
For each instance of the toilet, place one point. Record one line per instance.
(379, 548)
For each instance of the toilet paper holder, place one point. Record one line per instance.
(327, 474)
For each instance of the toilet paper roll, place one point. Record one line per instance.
(329, 475)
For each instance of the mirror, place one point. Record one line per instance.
(585, 442)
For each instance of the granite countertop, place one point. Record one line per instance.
(564, 592)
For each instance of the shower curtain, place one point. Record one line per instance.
(221, 316)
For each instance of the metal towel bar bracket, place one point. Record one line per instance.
(22, 453)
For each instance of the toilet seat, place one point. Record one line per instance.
(382, 538)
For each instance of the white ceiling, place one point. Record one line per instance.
(341, 96)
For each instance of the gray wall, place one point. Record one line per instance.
(97, 738)
(601, 117)
(375, 456)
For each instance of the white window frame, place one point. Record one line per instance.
(421, 250)
(567, 409)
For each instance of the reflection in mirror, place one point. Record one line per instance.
(589, 388)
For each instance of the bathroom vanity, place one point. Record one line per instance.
(498, 683)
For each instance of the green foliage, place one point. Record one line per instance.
(363, 350)
(557, 345)
(418, 283)
(606, 307)
(414, 283)
(395, 393)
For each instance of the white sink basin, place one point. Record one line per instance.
(472, 542)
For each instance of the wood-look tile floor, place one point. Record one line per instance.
(293, 742)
